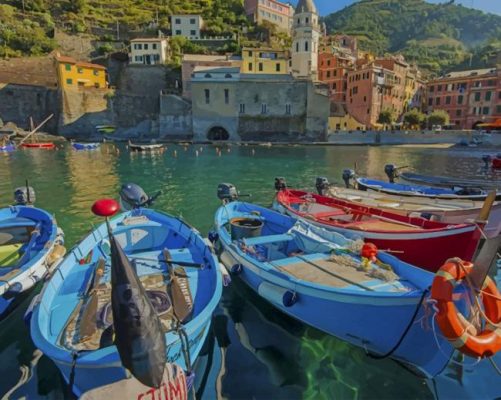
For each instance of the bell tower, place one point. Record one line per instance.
(305, 40)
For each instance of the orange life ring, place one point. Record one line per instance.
(452, 324)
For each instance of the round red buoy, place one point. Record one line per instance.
(369, 250)
(105, 207)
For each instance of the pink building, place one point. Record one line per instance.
(469, 97)
(272, 11)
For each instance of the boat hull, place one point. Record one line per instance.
(445, 181)
(381, 323)
(85, 146)
(47, 145)
(8, 148)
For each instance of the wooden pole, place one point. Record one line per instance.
(37, 128)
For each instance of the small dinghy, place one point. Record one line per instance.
(39, 145)
(446, 181)
(145, 147)
(347, 289)
(422, 191)
(139, 258)
(7, 147)
(85, 146)
(30, 247)
(406, 236)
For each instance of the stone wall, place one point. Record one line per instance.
(20, 102)
(175, 117)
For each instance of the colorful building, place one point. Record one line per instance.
(305, 40)
(189, 26)
(264, 61)
(199, 61)
(272, 11)
(80, 74)
(149, 51)
(469, 97)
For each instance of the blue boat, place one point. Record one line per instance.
(75, 329)
(8, 147)
(313, 276)
(30, 248)
(422, 191)
(86, 146)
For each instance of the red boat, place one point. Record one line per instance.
(496, 163)
(47, 145)
(418, 241)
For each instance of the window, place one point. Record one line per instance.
(242, 108)
(328, 74)
(226, 96)
(458, 113)
(96, 85)
(69, 81)
(334, 86)
(80, 70)
(486, 110)
(193, 21)
(95, 72)
(491, 83)
(498, 109)
(207, 96)
(193, 33)
(365, 99)
(437, 101)
(307, 20)
(146, 46)
(207, 76)
(499, 95)
(439, 88)
(250, 53)
(177, 21)
(178, 32)
(488, 96)
(67, 67)
(277, 67)
(264, 108)
(228, 76)
(474, 112)
(260, 67)
(448, 100)
(250, 66)
(328, 63)
(477, 96)
(460, 99)
(140, 46)
(288, 109)
(154, 46)
(297, 47)
(432, 89)
(355, 90)
(306, 46)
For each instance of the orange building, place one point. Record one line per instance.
(469, 97)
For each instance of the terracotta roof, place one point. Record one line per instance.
(71, 60)
(148, 39)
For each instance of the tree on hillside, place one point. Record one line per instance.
(386, 117)
(438, 117)
(414, 118)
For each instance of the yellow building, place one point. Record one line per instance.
(74, 74)
(264, 61)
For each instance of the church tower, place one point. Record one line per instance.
(305, 40)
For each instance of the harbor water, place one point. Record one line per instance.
(253, 350)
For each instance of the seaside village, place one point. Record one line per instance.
(320, 85)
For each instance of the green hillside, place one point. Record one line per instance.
(438, 37)
(26, 26)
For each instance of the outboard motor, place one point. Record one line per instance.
(322, 184)
(24, 196)
(226, 192)
(133, 196)
(280, 184)
(391, 172)
(348, 174)
(486, 158)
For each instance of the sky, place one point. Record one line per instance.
(328, 6)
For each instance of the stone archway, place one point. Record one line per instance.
(218, 133)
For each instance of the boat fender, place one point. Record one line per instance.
(15, 289)
(481, 344)
(29, 311)
(236, 269)
(277, 295)
(225, 274)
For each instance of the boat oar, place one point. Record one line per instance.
(181, 296)
(487, 207)
(139, 336)
(180, 263)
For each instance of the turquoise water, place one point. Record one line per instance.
(254, 351)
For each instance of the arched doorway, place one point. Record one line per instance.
(218, 133)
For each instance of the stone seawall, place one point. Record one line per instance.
(402, 137)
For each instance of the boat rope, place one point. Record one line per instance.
(71, 379)
(494, 365)
(404, 334)
(435, 336)
(484, 235)
(185, 346)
